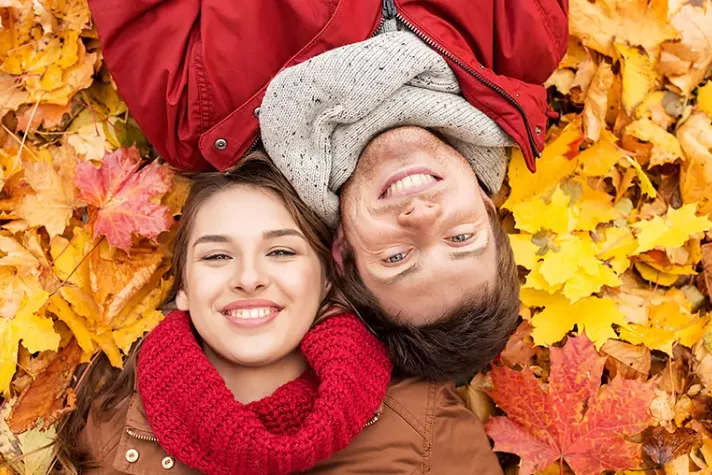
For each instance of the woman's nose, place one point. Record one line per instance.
(248, 278)
(419, 214)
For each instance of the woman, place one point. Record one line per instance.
(240, 379)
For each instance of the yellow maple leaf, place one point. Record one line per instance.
(695, 137)
(8, 354)
(666, 148)
(77, 324)
(704, 98)
(617, 247)
(645, 185)
(576, 268)
(594, 315)
(657, 277)
(672, 230)
(53, 202)
(686, 61)
(669, 322)
(69, 257)
(599, 159)
(127, 334)
(525, 251)
(638, 76)
(536, 214)
(36, 332)
(554, 164)
(635, 22)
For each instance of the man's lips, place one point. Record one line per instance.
(409, 182)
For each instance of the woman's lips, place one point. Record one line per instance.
(251, 313)
(251, 318)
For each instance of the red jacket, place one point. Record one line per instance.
(193, 72)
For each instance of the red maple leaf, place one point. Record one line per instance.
(572, 420)
(123, 196)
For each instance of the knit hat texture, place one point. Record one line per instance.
(317, 117)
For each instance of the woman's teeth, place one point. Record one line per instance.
(250, 313)
(408, 183)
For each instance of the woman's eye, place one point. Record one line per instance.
(282, 253)
(396, 258)
(460, 238)
(216, 257)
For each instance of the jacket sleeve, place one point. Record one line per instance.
(530, 38)
(459, 443)
(148, 46)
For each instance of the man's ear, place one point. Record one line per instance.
(182, 300)
(486, 199)
(337, 248)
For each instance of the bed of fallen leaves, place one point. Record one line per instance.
(611, 367)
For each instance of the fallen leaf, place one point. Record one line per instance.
(672, 230)
(573, 419)
(638, 76)
(123, 196)
(45, 397)
(54, 200)
(628, 361)
(663, 447)
(596, 102)
(666, 148)
(594, 315)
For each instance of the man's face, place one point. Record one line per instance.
(415, 217)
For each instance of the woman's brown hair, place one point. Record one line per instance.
(103, 388)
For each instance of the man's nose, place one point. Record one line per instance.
(249, 278)
(419, 213)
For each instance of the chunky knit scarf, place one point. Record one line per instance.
(198, 421)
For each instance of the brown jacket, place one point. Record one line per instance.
(424, 428)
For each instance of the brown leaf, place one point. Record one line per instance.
(47, 395)
(663, 446)
(707, 266)
(596, 102)
(629, 361)
(520, 347)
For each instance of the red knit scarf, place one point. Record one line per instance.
(198, 421)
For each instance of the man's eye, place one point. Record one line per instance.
(460, 238)
(216, 257)
(396, 258)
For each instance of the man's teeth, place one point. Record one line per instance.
(249, 313)
(409, 182)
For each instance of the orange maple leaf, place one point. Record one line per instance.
(572, 420)
(123, 196)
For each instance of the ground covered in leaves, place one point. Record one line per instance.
(612, 363)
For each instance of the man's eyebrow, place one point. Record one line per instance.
(210, 238)
(275, 233)
(401, 275)
(459, 255)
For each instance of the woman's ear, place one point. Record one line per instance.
(326, 289)
(182, 300)
(337, 249)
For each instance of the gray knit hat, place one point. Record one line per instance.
(317, 116)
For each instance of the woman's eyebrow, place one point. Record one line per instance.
(275, 233)
(210, 238)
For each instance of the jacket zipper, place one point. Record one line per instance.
(144, 437)
(390, 11)
(153, 438)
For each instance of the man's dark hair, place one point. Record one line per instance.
(460, 342)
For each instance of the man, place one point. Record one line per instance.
(420, 242)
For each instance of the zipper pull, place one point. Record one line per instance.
(389, 9)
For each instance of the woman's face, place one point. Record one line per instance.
(252, 283)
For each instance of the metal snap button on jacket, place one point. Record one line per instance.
(167, 463)
(221, 144)
(131, 455)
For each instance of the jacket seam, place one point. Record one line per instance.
(204, 104)
(429, 422)
(547, 25)
(406, 415)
